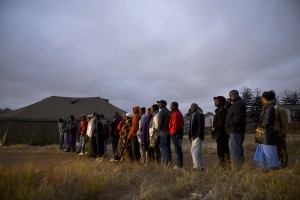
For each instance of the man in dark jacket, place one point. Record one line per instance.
(218, 131)
(114, 134)
(164, 117)
(100, 136)
(196, 136)
(71, 134)
(235, 125)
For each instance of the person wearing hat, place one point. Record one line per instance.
(124, 145)
(218, 131)
(235, 125)
(266, 151)
(164, 117)
(82, 138)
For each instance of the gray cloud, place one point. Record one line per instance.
(137, 52)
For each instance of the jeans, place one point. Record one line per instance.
(196, 154)
(178, 149)
(266, 156)
(165, 147)
(83, 140)
(236, 148)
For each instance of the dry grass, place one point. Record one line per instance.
(104, 180)
(101, 179)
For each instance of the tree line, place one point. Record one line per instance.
(252, 98)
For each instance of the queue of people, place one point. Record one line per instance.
(140, 136)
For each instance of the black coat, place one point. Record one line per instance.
(114, 132)
(99, 131)
(236, 117)
(197, 126)
(266, 121)
(219, 131)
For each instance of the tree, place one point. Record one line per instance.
(291, 98)
(247, 96)
(256, 106)
(5, 110)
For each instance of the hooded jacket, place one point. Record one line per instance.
(135, 122)
(219, 131)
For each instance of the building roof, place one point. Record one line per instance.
(55, 107)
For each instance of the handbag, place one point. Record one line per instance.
(260, 135)
(153, 140)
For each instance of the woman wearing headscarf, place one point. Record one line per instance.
(266, 153)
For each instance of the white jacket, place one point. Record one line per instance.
(90, 128)
(153, 127)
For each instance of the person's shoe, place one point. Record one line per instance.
(67, 150)
(81, 154)
(112, 160)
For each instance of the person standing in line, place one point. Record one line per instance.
(164, 117)
(105, 132)
(91, 130)
(124, 145)
(281, 130)
(71, 134)
(235, 125)
(62, 129)
(154, 138)
(219, 133)
(196, 136)
(100, 136)
(145, 138)
(266, 151)
(115, 136)
(139, 134)
(121, 124)
(132, 137)
(176, 132)
(83, 138)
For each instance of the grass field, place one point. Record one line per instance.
(44, 173)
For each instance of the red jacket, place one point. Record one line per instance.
(120, 126)
(176, 122)
(83, 127)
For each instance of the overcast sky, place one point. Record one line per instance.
(135, 52)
